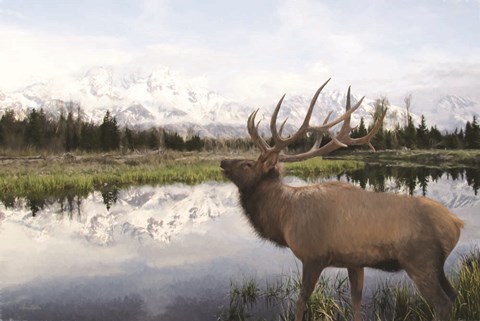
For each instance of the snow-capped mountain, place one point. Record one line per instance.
(161, 98)
(455, 111)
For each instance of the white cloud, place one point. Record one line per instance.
(375, 46)
(11, 13)
(27, 55)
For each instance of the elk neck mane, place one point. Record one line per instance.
(256, 203)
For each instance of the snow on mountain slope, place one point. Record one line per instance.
(455, 111)
(161, 98)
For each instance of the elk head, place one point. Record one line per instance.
(247, 173)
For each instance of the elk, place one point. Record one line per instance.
(341, 225)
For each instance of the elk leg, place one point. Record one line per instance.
(311, 272)
(355, 276)
(428, 283)
(447, 287)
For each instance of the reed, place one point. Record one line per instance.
(53, 176)
(389, 300)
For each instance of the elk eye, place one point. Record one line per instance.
(247, 165)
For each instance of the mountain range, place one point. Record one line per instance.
(159, 97)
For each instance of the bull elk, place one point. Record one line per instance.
(341, 225)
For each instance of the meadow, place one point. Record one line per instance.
(53, 175)
(47, 175)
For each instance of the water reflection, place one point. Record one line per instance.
(411, 178)
(375, 177)
(70, 203)
(168, 252)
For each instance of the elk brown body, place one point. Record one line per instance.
(341, 225)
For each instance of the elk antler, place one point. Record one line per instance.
(341, 139)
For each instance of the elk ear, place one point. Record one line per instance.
(270, 163)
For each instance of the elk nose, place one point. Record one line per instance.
(226, 163)
(223, 163)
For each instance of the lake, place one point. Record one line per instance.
(170, 252)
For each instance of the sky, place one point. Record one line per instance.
(251, 51)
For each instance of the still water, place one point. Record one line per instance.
(167, 252)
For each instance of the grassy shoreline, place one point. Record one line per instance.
(45, 175)
(59, 175)
(434, 158)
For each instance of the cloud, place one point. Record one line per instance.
(27, 56)
(11, 13)
(254, 56)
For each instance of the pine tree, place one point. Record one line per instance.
(71, 139)
(109, 133)
(12, 131)
(389, 140)
(452, 141)
(422, 134)
(129, 141)
(472, 134)
(410, 133)
(434, 137)
(59, 134)
(194, 143)
(36, 129)
(362, 130)
(90, 137)
(153, 139)
(468, 134)
(174, 141)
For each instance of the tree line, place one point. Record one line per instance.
(420, 136)
(407, 135)
(69, 132)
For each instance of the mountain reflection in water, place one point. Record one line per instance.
(167, 252)
(378, 178)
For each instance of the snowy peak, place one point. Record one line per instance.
(295, 107)
(159, 97)
(454, 111)
(99, 82)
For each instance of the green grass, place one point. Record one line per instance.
(56, 176)
(434, 158)
(317, 167)
(390, 301)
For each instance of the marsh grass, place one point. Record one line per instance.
(53, 175)
(317, 167)
(276, 300)
(433, 158)
(467, 283)
(388, 301)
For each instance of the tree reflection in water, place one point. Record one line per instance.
(375, 177)
(410, 178)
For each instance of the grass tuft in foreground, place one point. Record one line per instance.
(331, 299)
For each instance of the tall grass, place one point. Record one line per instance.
(388, 301)
(318, 167)
(433, 158)
(467, 283)
(53, 176)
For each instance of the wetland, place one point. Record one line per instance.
(162, 237)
